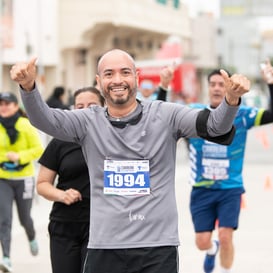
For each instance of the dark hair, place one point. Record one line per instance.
(90, 89)
(22, 113)
(216, 72)
(58, 91)
(95, 82)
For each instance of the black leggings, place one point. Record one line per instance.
(68, 246)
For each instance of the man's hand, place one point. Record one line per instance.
(166, 76)
(236, 86)
(24, 73)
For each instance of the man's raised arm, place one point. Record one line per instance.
(235, 86)
(41, 116)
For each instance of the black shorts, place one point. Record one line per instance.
(132, 260)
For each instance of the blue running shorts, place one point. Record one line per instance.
(207, 206)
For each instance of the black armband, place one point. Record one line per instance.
(267, 117)
(201, 127)
(161, 93)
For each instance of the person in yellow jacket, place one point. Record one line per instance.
(20, 145)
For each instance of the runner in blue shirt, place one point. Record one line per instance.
(216, 177)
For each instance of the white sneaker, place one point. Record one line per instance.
(5, 265)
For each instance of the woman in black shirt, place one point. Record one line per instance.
(69, 217)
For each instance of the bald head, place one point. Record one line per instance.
(116, 55)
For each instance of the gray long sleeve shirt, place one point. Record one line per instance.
(120, 220)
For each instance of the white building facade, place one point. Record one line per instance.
(69, 36)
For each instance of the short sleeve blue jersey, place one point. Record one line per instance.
(217, 166)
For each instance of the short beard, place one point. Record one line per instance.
(120, 101)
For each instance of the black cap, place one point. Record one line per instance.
(7, 96)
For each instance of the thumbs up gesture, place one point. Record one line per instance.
(24, 73)
(236, 86)
(166, 76)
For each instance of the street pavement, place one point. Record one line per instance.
(253, 240)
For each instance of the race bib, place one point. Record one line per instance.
(216, 169)
(126, 177)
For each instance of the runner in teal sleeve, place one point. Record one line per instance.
(216, 177)
(217, 166)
